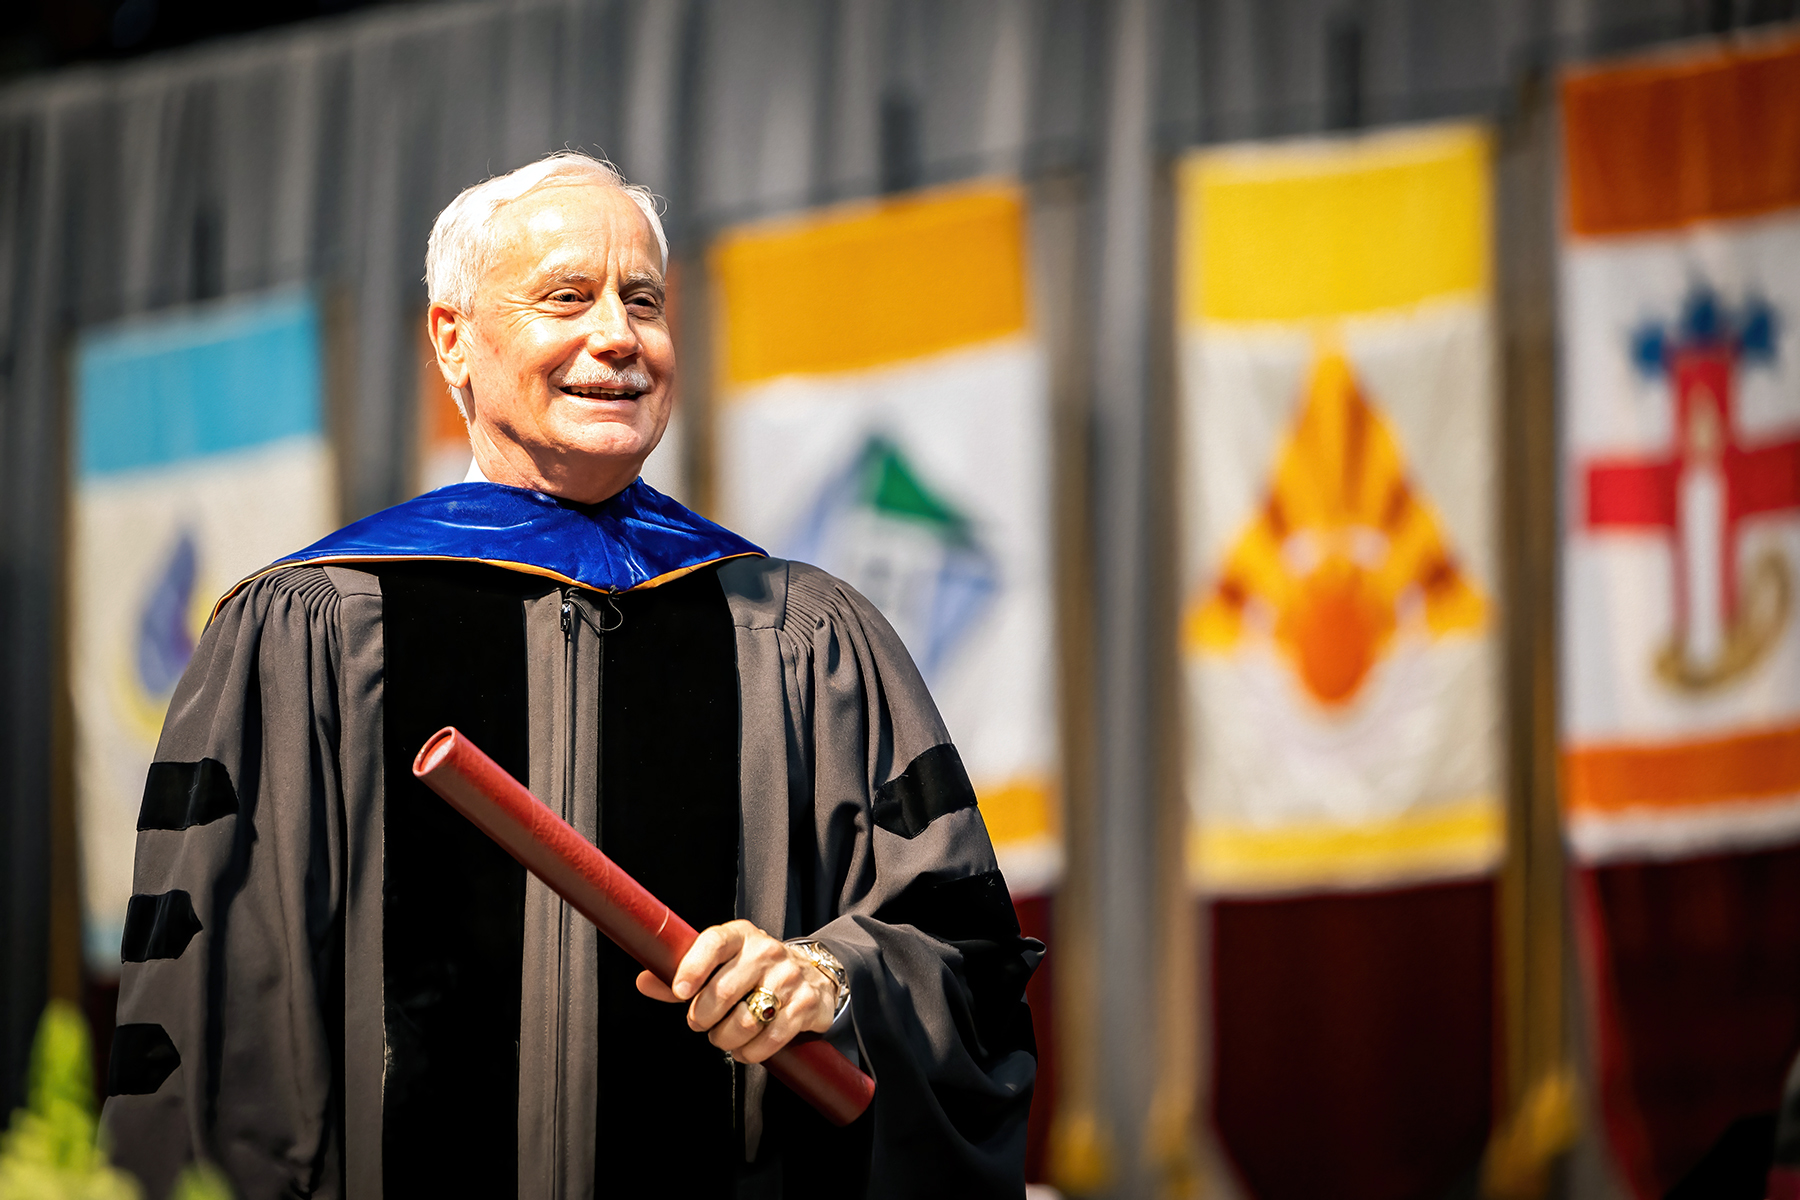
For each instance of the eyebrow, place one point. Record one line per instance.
(569, 275)
(645, 278)
(633, 278)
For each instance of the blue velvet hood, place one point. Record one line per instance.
(639, 538)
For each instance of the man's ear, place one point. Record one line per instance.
(448, 331)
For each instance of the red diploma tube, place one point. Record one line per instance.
(575, 869)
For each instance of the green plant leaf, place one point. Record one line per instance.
(52, 1149)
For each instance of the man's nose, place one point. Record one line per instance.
(610, 333)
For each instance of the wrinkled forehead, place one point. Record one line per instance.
(572, 223)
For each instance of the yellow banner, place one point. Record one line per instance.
(871, 284)
(1327, 229)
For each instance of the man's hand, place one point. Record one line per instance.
(723, 966)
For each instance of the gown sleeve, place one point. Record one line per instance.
(224, 1048)
(902, 885)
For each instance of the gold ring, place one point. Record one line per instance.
(762, 1004)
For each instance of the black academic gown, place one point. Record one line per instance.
(347, 990)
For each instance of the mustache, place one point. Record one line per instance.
(634, 379)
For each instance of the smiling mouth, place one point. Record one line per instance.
(600, 391)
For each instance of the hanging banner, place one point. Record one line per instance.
(1338, 412)
(883, 414)
(1339, 636)
(1680, 652)
(199, 456)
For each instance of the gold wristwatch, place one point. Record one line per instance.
(827, 962)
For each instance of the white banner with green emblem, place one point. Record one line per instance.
(908, 453)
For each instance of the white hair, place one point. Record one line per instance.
(462, 239)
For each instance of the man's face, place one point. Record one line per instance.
(568, 351)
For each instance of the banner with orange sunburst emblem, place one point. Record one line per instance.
(1339, 645)
(1340, 604)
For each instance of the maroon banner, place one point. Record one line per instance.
(1696, 966)
(1353, 1040)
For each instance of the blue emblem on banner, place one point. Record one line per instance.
(165, 641)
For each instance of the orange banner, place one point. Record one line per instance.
(1672, 142)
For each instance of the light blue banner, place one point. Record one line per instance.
(166, 389)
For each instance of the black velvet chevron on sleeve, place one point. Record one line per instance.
(933, 785)
(142, 1057)
(158, 926)
(975, 915)
(181, 795)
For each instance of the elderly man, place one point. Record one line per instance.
(339, 986)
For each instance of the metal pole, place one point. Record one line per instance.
(1120, 325)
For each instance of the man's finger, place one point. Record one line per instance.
(655, 988)
(737, 1028)
(799, 1014)
(715, 945)
(734, 980)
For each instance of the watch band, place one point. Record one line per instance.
(828, 963)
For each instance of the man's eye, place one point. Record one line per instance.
(567, 297)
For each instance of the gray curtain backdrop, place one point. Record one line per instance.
(321, 153)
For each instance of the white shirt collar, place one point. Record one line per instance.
(475, 475)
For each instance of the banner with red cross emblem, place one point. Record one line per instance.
(1680, 640)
